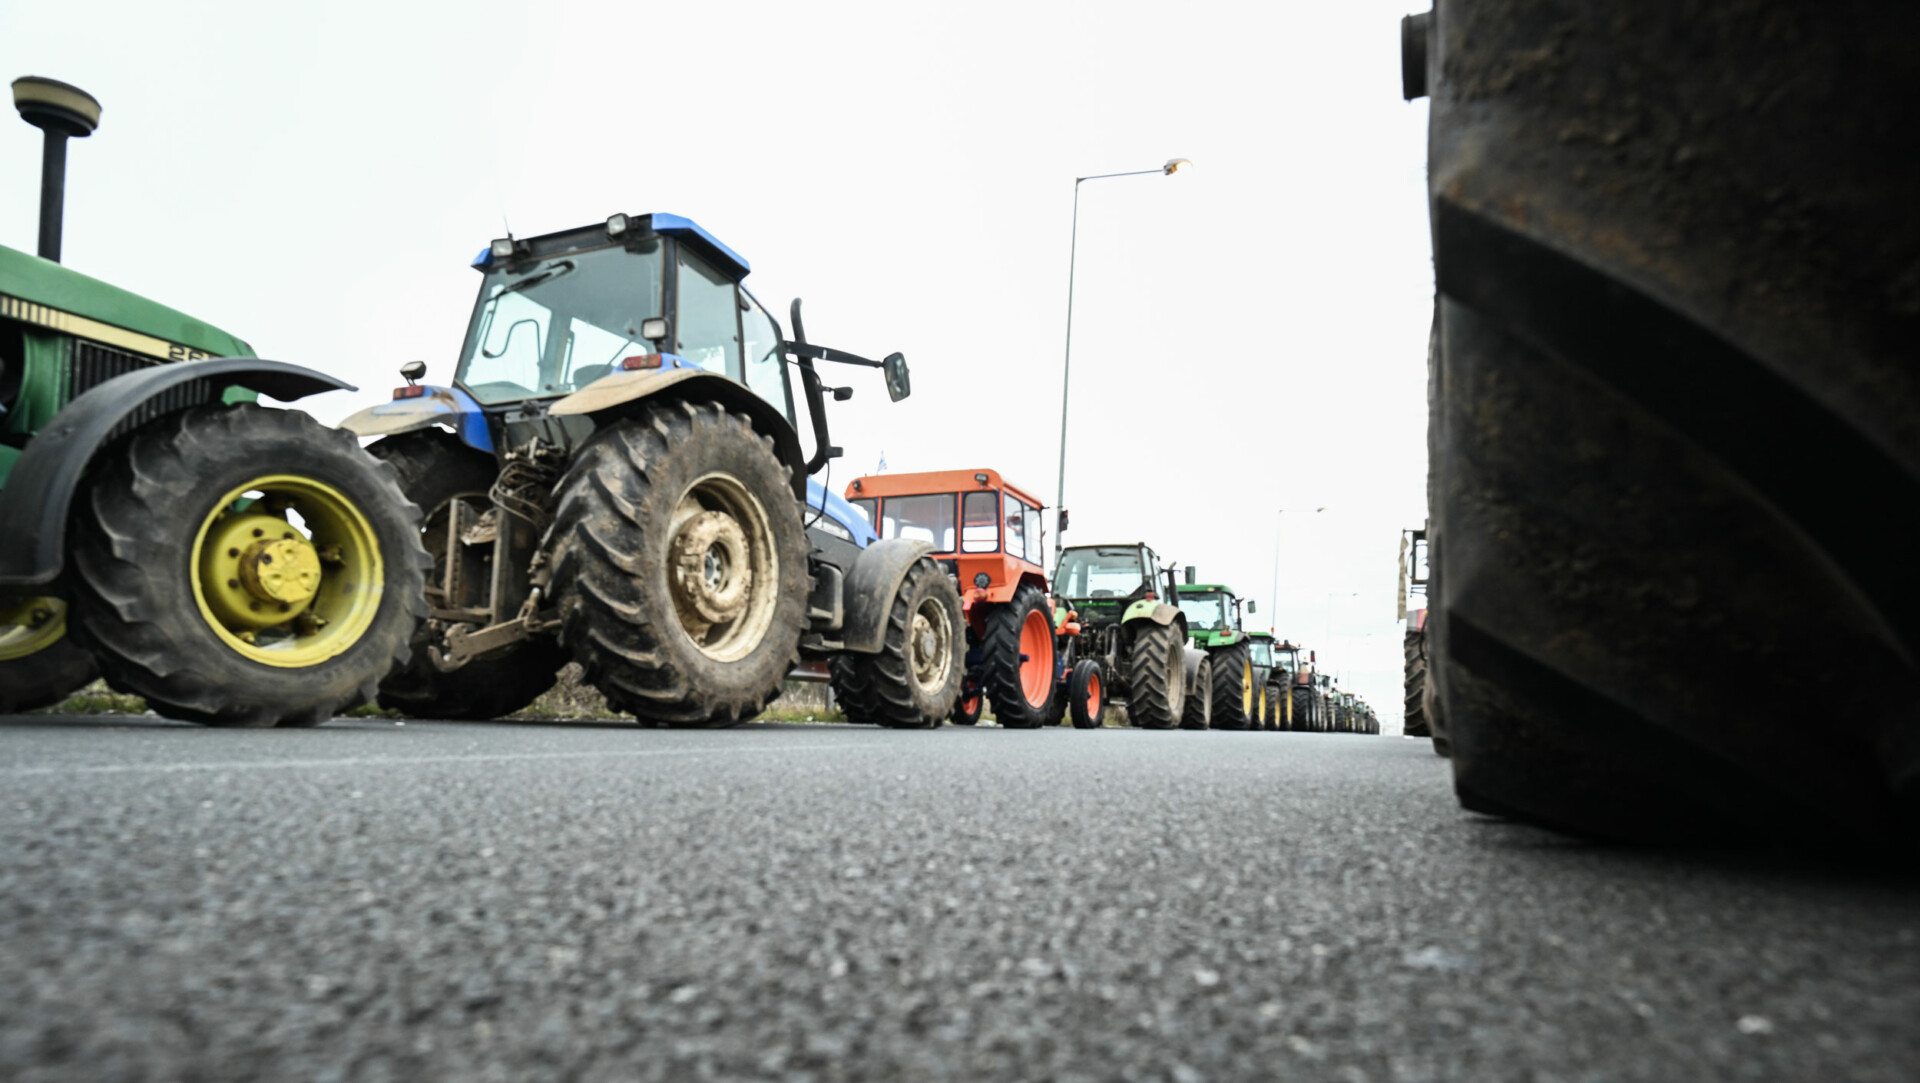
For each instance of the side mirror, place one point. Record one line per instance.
(842, 394)
(654, 329)
(413, 372)
(1251, 608)
(899, 384)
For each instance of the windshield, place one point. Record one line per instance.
(1262, 653)
(555, 326)
(1103, 571)
(1205, 611)
(919, 518)
(1290, 660)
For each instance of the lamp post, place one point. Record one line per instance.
(63, 111)
(1275, 602)
(1171, 167)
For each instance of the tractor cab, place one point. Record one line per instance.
(1209, 609)
(1100, 582)
(985, 529)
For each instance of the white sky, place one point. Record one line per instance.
(1249, 335)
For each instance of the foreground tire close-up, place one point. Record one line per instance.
(1156, 677)
(1232, 688)
(242, 566)
(1677, 386)
(436, 470)
(1198, 714)
(914, 681)
(679, 565)
(1016, 660)
(1086, 695)
(39, 664)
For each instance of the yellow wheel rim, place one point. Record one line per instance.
(1246, 688)
(287, 571)
(31, 626)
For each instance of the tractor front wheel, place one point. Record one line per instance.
(913, 681)
(1086, 695)
(39, 665)
(680, 566)
(1016, 659)
(242, 566)
(1233, 687)
(1199, 711)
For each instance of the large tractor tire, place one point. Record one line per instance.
(1016, 660)
(1415, 682)
(968, 707)
(240, 566)
(1677, 392)
(913, 682)
(1086, 695)
(1233, 687)
(680, 566)
(39, 664)
(1275, 716)
(1156, 676)
(1302, 710)
(1198, 714)
(435, 469)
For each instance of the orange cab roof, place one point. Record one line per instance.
(935, 481)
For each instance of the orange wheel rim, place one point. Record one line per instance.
(1036, 646)
(970, 704)
(1093, 696)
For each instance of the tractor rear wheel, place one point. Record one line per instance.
(241, 566)
(1016, 659)
(1199, 710)
(1232, 688)
(436, 470)
(913, 681)
(1156, 677)
(680, 566)
(852, 689)
(1302, 701)
(39, 664)
(1086, 695)
(1276, 709)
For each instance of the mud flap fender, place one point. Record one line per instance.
(871, 586)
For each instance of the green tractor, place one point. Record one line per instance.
(1109, 610)
(1270, 706)
(1238, 692)
(233, 564)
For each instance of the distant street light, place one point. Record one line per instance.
(1171, 167)
(1275, 603)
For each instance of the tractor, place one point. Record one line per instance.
(1213, 618)
(1109, 612)
(233, 564)
(1271, 704)
(615, 476)
(986, 532)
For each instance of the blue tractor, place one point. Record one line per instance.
(615, 475)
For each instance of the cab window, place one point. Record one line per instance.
(919, 518)
(706, 327)
(866, 505)
(979, 526)
(765, 372)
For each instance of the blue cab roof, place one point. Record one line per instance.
(657, 222)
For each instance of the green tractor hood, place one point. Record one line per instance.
(45, 294)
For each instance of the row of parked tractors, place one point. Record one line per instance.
(1114, 625)
(617, 474)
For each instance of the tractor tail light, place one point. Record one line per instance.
(1152, 597)
(412, 391)
(641, 361)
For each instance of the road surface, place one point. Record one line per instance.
(372, 901)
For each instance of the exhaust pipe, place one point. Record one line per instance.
(63, 111)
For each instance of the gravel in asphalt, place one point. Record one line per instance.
(370, 901)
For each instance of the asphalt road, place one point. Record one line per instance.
(369, 901)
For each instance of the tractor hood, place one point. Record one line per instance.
(46, 294)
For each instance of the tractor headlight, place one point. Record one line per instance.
(616, 225)
(981, 579)
(502, 248)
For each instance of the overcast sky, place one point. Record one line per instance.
(1249, 335)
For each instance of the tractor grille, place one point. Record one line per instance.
(94, 365)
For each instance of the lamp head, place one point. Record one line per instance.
(1173, 165)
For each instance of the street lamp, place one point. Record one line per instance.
(1276, 553)
(1171, 167)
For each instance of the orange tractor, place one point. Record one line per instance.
(986, 532)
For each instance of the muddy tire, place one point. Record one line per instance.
(1198, 713)
(853, 689)
(913, 682)
(39, 663)
(1156, 677)
(1086, 695)
(1415, 685)
(435, 469)
(680, 566)
(240, 566)
(1678, 388)
(1232, 687)
(1016, 659)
